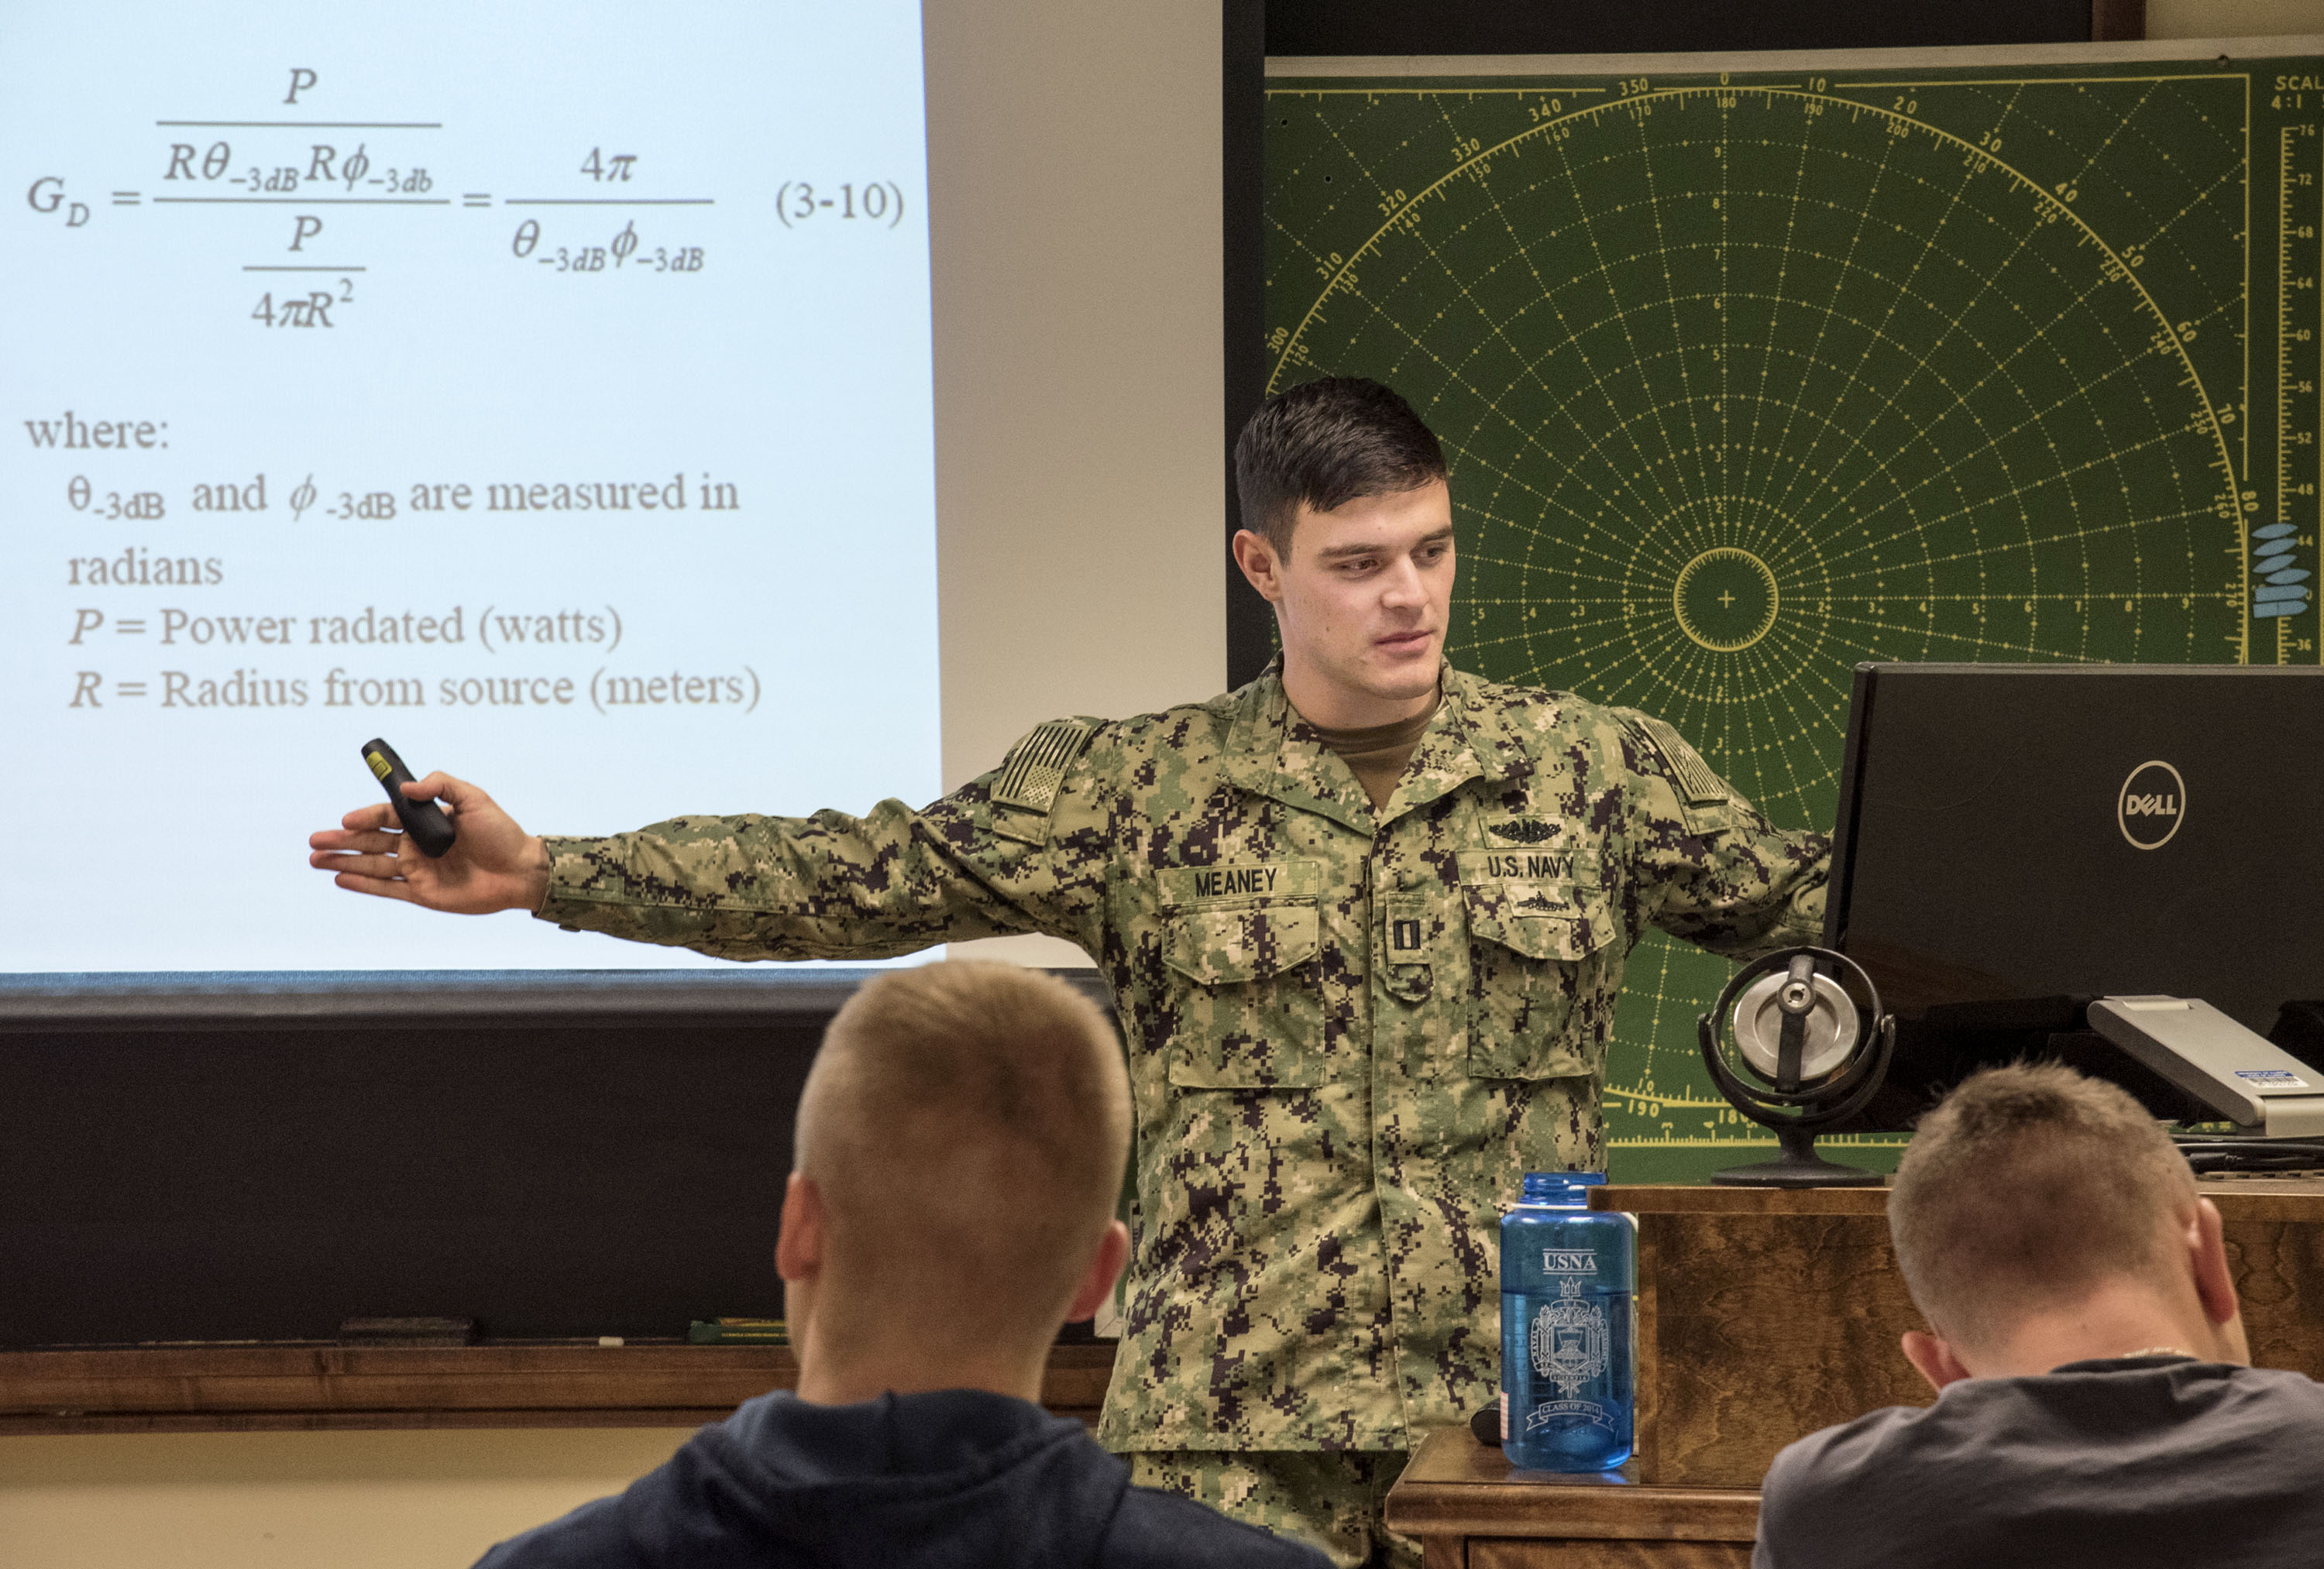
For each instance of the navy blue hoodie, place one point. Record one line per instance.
(951, 1479)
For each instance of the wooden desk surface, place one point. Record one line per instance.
(1471, 1507)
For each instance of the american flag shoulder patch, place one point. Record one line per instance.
(1035, 766)
(1696, 782)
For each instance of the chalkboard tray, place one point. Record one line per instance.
(210, 1389)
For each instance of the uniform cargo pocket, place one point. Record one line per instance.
(1533, 950)
(1250, 1015)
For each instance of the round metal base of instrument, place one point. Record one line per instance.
(1829, 1040)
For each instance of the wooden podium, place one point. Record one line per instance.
(1764, 1314)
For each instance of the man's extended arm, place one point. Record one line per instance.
(1709, 866)
(826, 886)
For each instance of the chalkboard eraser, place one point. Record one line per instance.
(407, 1331)
(738, 1332)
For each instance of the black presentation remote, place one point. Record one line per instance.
(424, 821)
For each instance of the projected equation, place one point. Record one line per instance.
(610, 216)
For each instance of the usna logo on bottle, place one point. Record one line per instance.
(2151, 805)
(1561, 1261)
(1568, 1341)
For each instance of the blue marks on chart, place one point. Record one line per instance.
(2283, 586)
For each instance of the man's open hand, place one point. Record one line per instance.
(494, 864)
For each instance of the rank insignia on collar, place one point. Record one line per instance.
(1523, 830)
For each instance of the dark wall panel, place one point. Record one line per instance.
(551, 1155)
(554, 1154)
(1515, 27)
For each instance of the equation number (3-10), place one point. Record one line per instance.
(880, 201)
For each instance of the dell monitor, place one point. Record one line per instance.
(2014, 841)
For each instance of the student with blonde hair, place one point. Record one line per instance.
(958, 1158)
(2094, 1401)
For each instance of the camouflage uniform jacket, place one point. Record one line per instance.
(1350, 1031)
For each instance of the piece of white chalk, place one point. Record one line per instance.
(609, 1340)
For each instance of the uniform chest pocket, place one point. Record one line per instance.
(1536, 953)
(1250, 1008)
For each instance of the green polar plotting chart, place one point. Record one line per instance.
(1747, 375)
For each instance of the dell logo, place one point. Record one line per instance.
(2151, 805)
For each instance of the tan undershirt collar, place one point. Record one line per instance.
(1379, 755)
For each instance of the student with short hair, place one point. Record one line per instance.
(2094, 1404)
(959, 1154)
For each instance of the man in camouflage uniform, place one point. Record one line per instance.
(1362, 998)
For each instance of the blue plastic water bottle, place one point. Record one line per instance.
(1569, 1373)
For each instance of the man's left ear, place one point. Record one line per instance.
(1256, 556)
(1935, 1360)
(798, 1246)
(2207, 1247)
(1104, 1268)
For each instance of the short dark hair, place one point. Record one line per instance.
(1327, 442)
(2029, 1186)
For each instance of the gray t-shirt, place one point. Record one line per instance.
(2135, 1461)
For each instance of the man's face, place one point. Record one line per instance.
(1362, 602)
